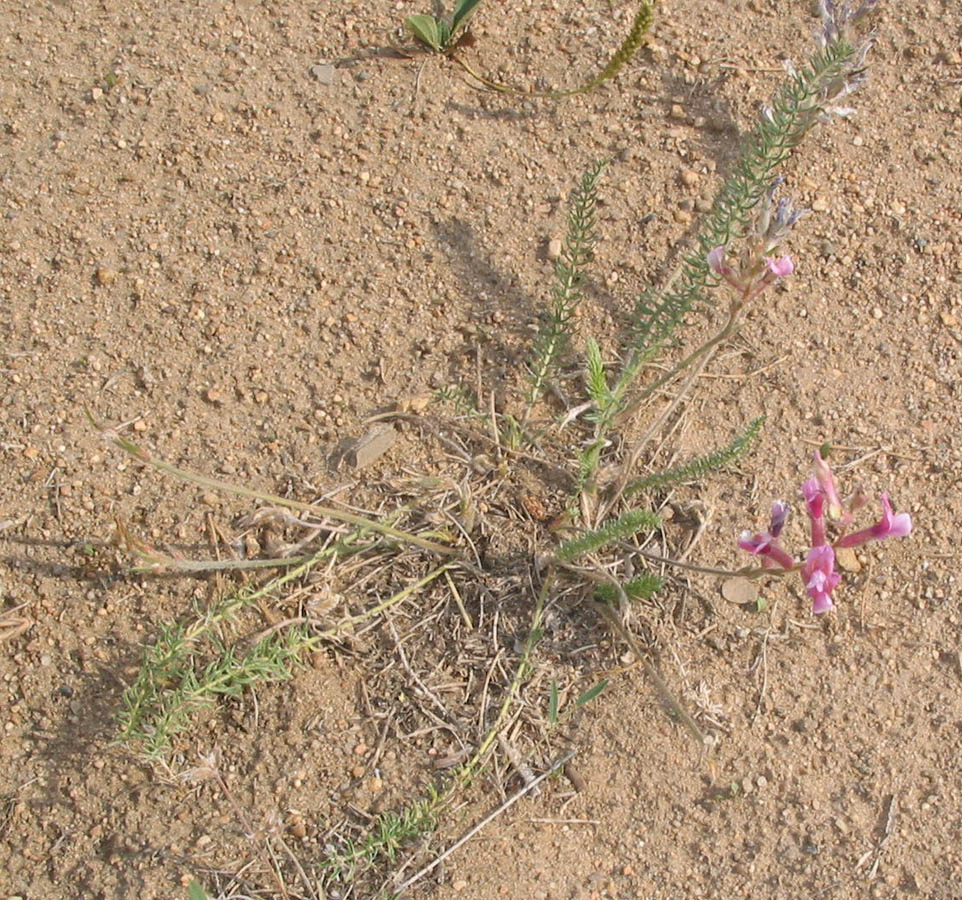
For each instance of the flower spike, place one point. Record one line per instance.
(823, 506)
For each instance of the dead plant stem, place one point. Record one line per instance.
(514, 798)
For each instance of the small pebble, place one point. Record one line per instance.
(106, 276)
(323, 72)
(739, 590)
(847, 560)
(554, 248)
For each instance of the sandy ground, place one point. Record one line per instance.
(235, 225)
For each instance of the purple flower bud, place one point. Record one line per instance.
(888, 526)
(775, 221)
(820, 577)
(780, 511)
(766, 204)
(837, 18)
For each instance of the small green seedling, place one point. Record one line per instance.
(442, 35)
(554, 716)
(195, 891)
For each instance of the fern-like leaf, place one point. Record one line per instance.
(624, 526)
(701, 466)
(794, 112)
(596, 381)
(588, 461)
(643, 587)
(555, 336)
(629, 46)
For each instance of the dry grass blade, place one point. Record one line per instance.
(504, 807)
(228, 487)
(12, 625)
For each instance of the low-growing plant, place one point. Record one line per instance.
(594, 551)
(444, 35)
(440, 33)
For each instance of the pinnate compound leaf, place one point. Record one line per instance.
(702, 465)
(615, 530)
(597, 383)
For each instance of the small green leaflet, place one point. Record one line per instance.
(462, 12)
(196, 892)
(553, 704)
(591, 693)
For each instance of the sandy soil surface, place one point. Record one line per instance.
(241, 229)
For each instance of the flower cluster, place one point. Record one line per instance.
(756, 268)
(825, 510)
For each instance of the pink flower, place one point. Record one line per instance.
(815, 504)
(820, 577)
(780, 267)
(822, 504)
(766, 544)
(716, 261)
(888, 526)
(826, 482)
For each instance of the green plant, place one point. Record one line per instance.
(190, 665)
(640, 26)
(555, 715)
(807, 96)
(195, 891)
(389, 832)
(442, 34)
(598, 556)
